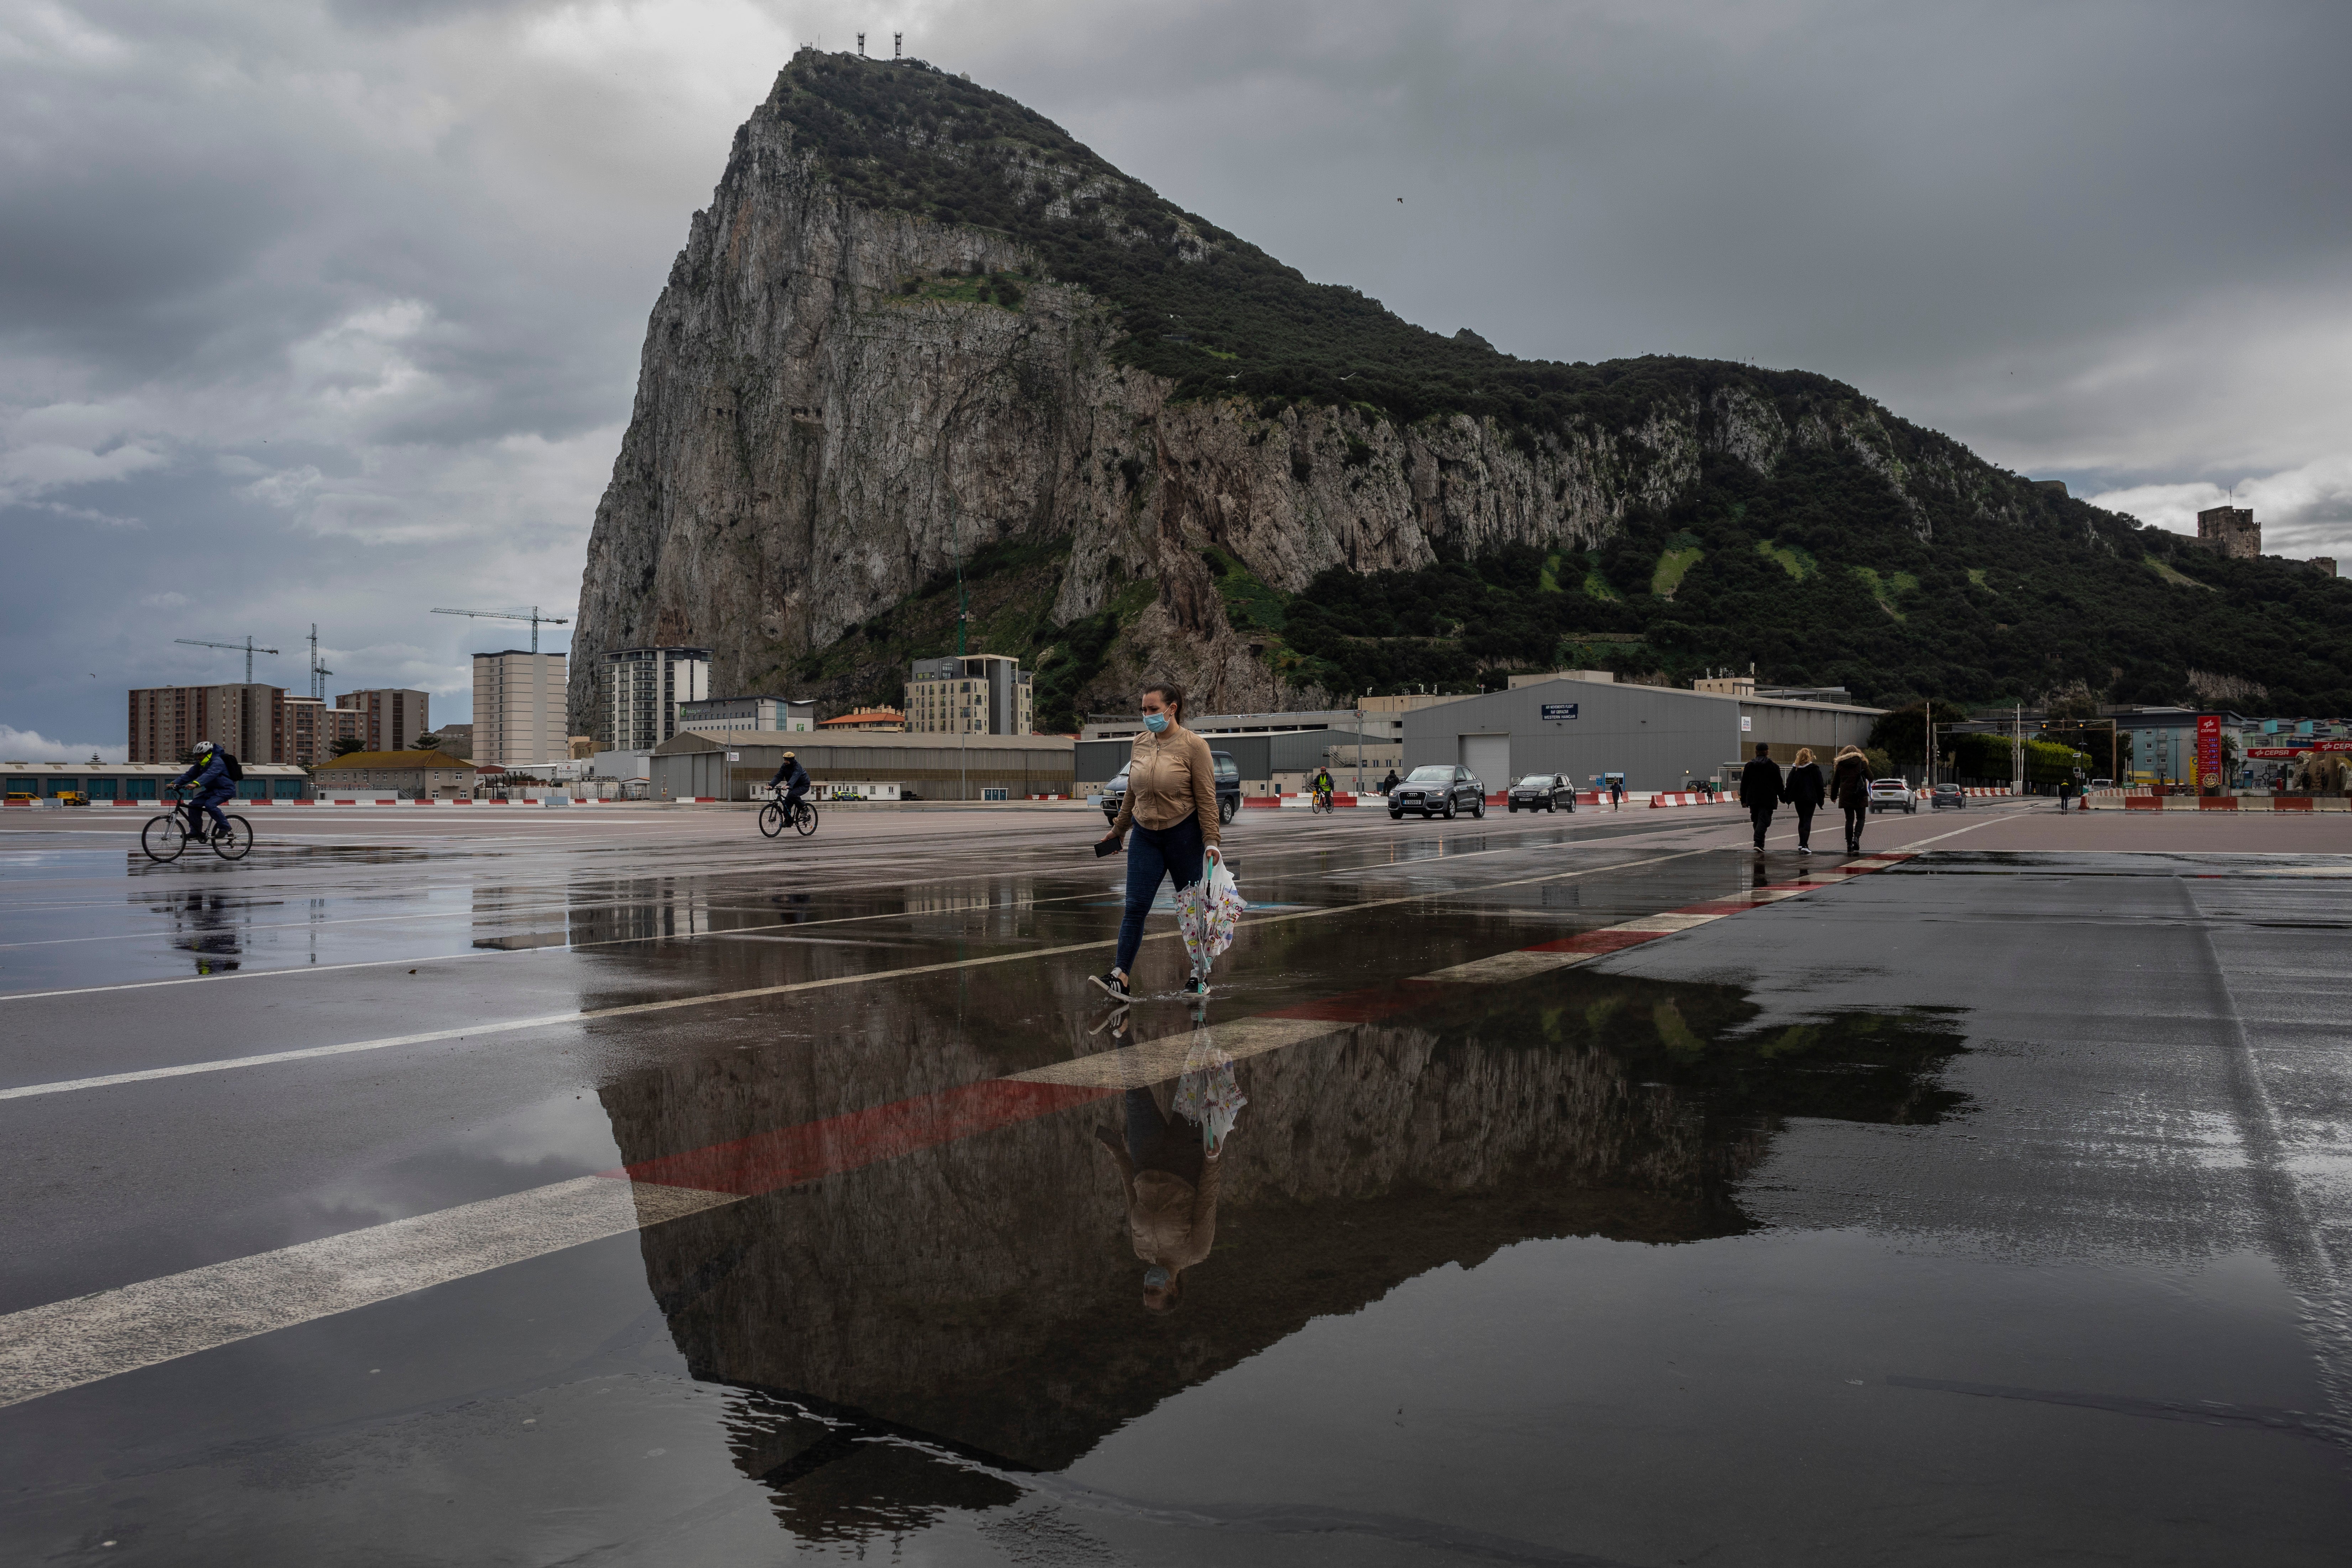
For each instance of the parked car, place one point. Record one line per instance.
(2103, 784)
(1946, 794)
(1541, 791)
(1438, 791)
(1229, 789)
(1892, 794)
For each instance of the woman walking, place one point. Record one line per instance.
(1850, 787)
(1171, 803)
(1805, 791)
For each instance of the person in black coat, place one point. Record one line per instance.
(1805, 790)
(1759, 790)
(1850, 788)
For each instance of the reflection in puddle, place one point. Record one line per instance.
(976, 1303)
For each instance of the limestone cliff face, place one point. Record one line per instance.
(810, 443)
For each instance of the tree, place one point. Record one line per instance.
(346, 746)
(428, 742)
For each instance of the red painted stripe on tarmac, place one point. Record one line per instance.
(1351, 1006)
(767, 1161)
(1598, 941)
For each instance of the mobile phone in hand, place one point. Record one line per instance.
(1107, 846)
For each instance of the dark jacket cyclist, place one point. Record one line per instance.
(1322, 784)
(794, 777)
(210, 774)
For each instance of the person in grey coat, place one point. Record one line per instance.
(1759, 790)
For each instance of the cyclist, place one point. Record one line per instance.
(210, 772)
(796, 780)
(1323, 787)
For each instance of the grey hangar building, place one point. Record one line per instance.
(1658, 737)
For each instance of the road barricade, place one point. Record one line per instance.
(1686, 797)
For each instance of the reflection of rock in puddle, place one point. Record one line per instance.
(982, 1296)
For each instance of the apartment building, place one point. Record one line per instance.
(249, 718)
(390, 718)
(519, 707)
(717, 715)
(644, 687)
(975, 694)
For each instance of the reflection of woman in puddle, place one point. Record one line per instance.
(1171, 1194)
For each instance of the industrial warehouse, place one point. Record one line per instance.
(868, 764)
(1658, 737)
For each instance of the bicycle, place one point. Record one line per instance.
(771, 815)
(167, 837)
(1320, 801)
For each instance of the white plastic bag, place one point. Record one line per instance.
(1208, 1095)
(1206, 913)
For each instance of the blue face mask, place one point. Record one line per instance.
(1155, 722)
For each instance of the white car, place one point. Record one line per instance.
(1892, 794)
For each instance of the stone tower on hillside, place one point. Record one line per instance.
(2232, 530)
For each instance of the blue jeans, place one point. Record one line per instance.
(1152, 854)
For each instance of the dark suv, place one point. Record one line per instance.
(1438, 791)
(1229, 789)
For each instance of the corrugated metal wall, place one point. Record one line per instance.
(1658, 737)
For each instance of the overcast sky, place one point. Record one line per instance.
(330, 313)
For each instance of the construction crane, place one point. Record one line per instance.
(319, 672)
(531, 615)
(246, 645)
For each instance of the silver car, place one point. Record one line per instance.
(1892, 794)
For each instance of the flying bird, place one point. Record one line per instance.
(1400, 199)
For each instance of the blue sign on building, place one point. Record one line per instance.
(1556, 710)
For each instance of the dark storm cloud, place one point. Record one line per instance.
(331, 311)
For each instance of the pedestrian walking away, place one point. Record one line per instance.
(1850, 790)
(1388, 785)
(1616, 794)
(1172, 804)
(1805, 790)
(1759, 790)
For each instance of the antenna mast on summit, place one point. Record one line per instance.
(896, 40)
(861, 46)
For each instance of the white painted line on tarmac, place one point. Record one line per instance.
(64, 1344)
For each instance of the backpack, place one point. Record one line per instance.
(231, 766)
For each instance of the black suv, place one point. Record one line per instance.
(1438, 791)
(1542, 792)
(1229, 789)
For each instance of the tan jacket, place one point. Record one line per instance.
(1172, 1222)
(1171, 777)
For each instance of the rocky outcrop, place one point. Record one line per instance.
(817, 434)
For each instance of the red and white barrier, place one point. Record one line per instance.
(1686, 797)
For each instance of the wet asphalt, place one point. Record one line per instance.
(1990, 1206)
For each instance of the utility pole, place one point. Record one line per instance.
(963, 618)
(2017, 753)
(246, 645)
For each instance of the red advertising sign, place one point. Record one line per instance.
(2208, 751)
(2273, 754)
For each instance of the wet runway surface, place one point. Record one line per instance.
(634, 1189)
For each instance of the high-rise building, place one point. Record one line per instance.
(303, 726)
(642, 690)
(391, 718)
(518, 709)
(249, 720)
(976, 694)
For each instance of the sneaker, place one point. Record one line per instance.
(1195, 986)
(1112, 987)
(1804, 848)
